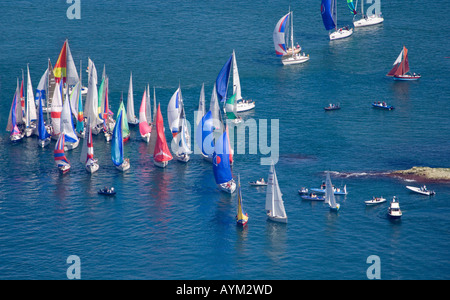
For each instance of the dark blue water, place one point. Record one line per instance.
(174, 223)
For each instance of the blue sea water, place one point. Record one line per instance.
(174, 223)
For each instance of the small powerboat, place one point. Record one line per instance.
(313, 197)
(106, 191)
(382, 105)
(421, 190)
(375, 200)
(337, 191)
(394, 211)
(303, 191)
(260, 182)
(332, 107)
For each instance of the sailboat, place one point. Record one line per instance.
(132, 120)
(41, 91)
(117, 153)
(91, 104)
(367, 20)
(241, 217)
(291, 55)
(87, 153)
(274, 199)
(231, 110)
(400, 71)
(204, 136)
(65, 70)
(329, 194)
(16, 111)
(125, 129)
(61, 161)
(329, 17)
(241, 104)
(222, 166)
(77, 110)
(161, 152)
(31, 116)
(184, 148)
(105, 113)
(70, 137)
(56, 110)
(43, 136)
(144, 128)
(178, 125)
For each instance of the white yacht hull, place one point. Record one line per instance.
(228, 187)
(43, 143)
(295, 60)
(92, 168)
(123, 167)
(161, 164)
(340, 34)
(244, 106)
(277, 219)
(368, 21)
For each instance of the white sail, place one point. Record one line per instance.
(236, 81)
(41, 89)
(91, 106)
(74, 97)
(329, 192)
(131, 117)
(201, 106)
(67, 124)
(215, 110)
(72, 73)
(274, 200)
(31, 106)
(173, 112)
(56, 110)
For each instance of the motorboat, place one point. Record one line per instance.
(375, 200)
(421, 190)
(394, 211)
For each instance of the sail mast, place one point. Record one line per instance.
(292, 31)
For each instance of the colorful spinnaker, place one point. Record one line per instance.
(43, 136)
(222, 80)
(221, 164)
(117, 151)
(204, 136)
(15, 111)
(144, 127)
(351, 6)
(65, 67)
(279, 36)
(161, 153)
(329, 14)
